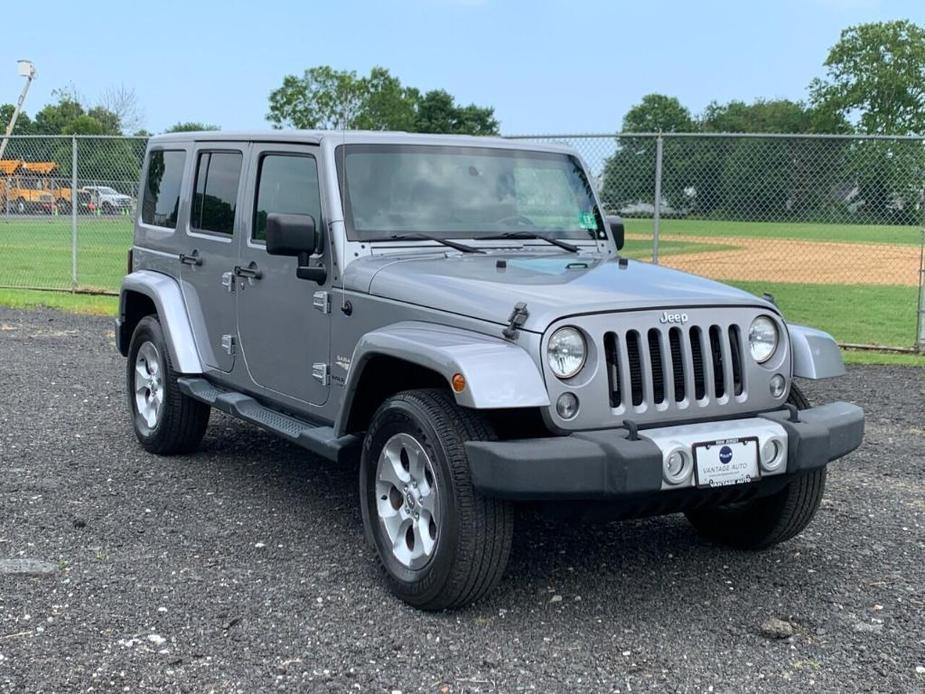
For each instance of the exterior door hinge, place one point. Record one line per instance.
(228, 344)
(320, 373)
(322, 301)
(228, 281)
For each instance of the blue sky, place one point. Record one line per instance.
(545, 65)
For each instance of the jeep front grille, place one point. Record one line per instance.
(666, 367)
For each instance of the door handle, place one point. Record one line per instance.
(191, 259)
(251, 271)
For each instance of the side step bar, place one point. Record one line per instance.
(317, 439)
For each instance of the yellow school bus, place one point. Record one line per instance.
(30, 187)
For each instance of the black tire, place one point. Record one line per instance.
(770, 520)
(64, 207)
(21, 206)
(108, 208)
(473, 543)
(182, 421)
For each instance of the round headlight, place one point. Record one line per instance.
(566, 352)
(762, 338)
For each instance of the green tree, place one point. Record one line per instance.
(191, 126)
(875, 76)
(84, 125)
(322, 98)
(326, 98)
(69, 117)
(477, 120)
(100, 160)
(24, 125)
(438, 112)
(386, 104)
(658, 113)
(629, 175)
(754, 178)
(774, 116)
(876, 73)
(53, 119)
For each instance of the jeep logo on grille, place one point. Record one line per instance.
(672, 317)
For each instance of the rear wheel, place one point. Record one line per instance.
(165, 420)
(440, 543)
(769, 520)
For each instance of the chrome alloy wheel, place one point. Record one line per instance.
(149, 384)
(407, 501)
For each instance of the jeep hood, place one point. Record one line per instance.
(553, 285)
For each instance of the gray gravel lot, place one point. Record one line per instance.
(242, 568)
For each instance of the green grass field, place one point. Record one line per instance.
(37, 252)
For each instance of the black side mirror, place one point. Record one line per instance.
(297, 235)
(615, 224)
(292, 234)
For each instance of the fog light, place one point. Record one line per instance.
(772, 455)
(777, 385)
(567, 405)
(676, 466)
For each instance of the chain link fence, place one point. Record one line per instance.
(66, 210)
(831, 226)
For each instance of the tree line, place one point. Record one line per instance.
(111, 161)
(873, 83)
(325, 98)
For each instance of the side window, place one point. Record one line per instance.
(216, 191)
(286, 183)
(161, 198)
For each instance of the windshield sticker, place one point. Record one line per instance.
(586, 220)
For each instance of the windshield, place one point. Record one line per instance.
(464, 192)
(108, 191)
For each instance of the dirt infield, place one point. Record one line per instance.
(792, 260)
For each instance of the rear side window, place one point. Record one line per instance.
(288, 184)
(161, 199)
(216, 191)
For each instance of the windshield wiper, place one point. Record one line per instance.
(427, 237)
(528, 235)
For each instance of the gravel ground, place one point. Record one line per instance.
(242, 568)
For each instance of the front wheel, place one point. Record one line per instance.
(770, 520)
(440, 543)
(165, 420)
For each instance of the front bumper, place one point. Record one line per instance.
(606, 464)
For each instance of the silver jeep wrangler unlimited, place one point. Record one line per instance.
(453, 313)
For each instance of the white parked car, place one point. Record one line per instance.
(109, 200)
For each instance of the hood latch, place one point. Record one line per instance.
(518, 317)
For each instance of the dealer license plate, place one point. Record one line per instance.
(726, 462)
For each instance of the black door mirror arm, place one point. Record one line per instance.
(304, 271)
